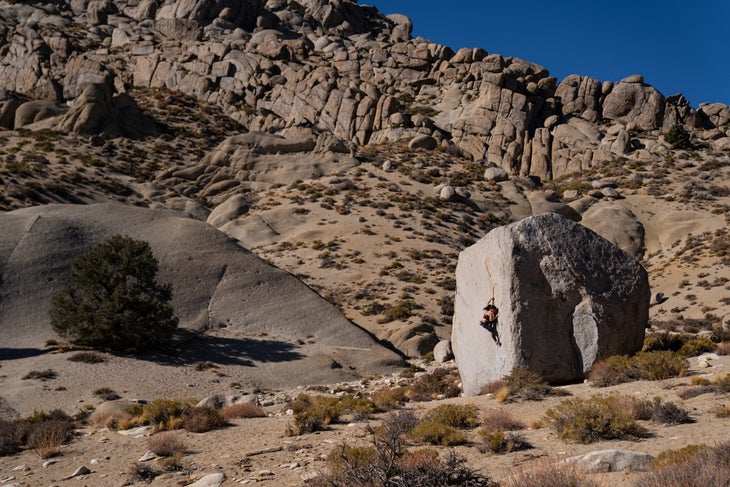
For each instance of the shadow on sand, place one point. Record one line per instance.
(18, 353)
(193, 347)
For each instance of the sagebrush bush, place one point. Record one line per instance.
(388, 398)
(454, 415)
(503, 442)
(11, 437)
(389, 462)
(549, 475)
(46, 437)
(108, 419)
(697, 346)
(106, 394)
(655, 365)
(520, 384)
(501, 421)
(600, 417)
(166, 445)
(437, 434)
(202, 419)
(441, 383)
(682, 455)
(243, 410)
(708, 466)
(87, 358)
(312, 413)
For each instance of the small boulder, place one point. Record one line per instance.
(604, 461)
(442, 351)
(447, 193)
(423, 142)
(210, 480)
(496, 174)
(567, 298)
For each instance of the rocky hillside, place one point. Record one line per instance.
(325, 138)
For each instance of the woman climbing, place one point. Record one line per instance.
(489, 320)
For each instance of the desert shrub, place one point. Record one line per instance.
(697, 346)
(142, 472)
(503, 442)
(669, 413)
(388, 398)
(440, 383)
(722, 383)
(163, 414)
(437, 434)
(454, 415)
(493, 387)
(243, 410)
(11, 437)
(312, 413)
(678, 137)
(46, 437)
(654, 365)
(709, 466)
(106, 394)
(87, 358)
(500, 421)
(113, 300)
(600, 417)
(722, 411)
(166, 445)
(43, 375)
(202, 419)
(549, 475)
(389, 462)
(108, 419)
(658, 365)
(521, 384)
(672, 342)
(682, 455)
(173, 463)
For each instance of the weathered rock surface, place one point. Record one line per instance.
(337, 68)
(567, 297)
(216, 284)
(612, 461)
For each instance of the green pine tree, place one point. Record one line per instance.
(112, 299)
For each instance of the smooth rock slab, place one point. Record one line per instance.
(612, 461)
(210, 480)
(567, 297)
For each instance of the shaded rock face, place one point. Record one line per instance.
(216, 285)
(566, 297)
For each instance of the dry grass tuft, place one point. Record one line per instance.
(501, 421)
(166, 445)
(699, 468)
(243, 410)
(549, 475)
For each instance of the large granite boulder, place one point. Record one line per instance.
(567, 297)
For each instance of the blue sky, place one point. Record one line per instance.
(679, 46)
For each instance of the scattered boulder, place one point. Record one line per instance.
(210, 480)
(617, 224)
(567, 297)
(425, 142)
(496, 174)
(442, 351)
(35, 111)
(605, 461)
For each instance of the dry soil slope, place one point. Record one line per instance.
(217, 284)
